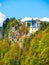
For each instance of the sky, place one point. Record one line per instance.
(24, 8)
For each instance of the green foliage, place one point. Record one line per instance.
(34, 51)
(44, 25)
(39, 49)
(8, 24)
(23, 29)
(45, 56)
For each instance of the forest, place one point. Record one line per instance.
(34, 50)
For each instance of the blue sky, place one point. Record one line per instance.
(23, 8)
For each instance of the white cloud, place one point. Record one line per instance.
(41, 19)
(2, 18)
(45, 19)
(26, 18)
(35, 18)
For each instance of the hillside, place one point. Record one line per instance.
(34, 50)
(0, 32)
